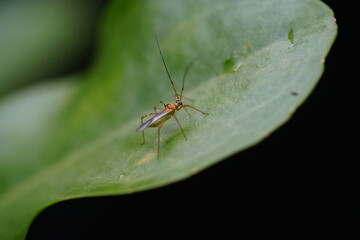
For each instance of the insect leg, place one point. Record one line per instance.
(184, 106)
(180, 126)
(143, 134)
(157, 108)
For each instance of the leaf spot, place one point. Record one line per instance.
(232, 65)
(291, 36)
(121, 177)
(147, 157)
(194, 171)
(266, 134)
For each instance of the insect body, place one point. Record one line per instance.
(159, 118)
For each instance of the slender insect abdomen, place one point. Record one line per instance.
(158, 122)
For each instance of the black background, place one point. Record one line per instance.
(300, 181)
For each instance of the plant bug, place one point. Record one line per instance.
(169, 109)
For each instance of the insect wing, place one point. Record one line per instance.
(153, 120)
(144, 126)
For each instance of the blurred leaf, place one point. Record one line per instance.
(257, 62)
(42, 37)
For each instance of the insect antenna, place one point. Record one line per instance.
(184, 76)
(167, 70)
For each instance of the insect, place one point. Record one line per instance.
(159, 118)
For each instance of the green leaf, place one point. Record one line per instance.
(256, 63)
(41, 38)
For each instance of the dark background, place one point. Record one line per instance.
(300, 181)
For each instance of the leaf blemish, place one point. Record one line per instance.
(291, 36)
(266, 134)
(294, 93)
(147, 157)
(232, 65)
(194, 171)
